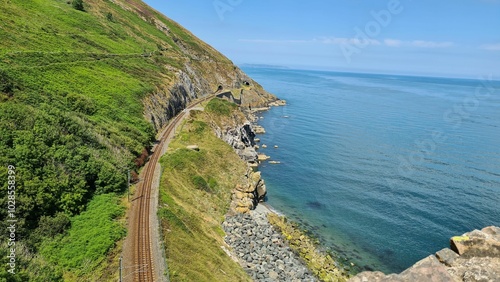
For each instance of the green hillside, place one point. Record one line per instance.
(82, 94)
(195, 194)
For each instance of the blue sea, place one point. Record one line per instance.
(384, 169)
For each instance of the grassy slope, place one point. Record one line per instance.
(195, 195)
(72, 85)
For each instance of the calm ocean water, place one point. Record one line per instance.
(384, 169)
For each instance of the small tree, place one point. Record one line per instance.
(78, 4)
(6, 83)
(109, 16)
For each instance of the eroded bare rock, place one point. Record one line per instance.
(248, 192)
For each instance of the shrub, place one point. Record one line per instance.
(199, 127)
(52, 226)
(200, 183)
(183, 158)
(109, 179)
(78, 5)
(142, 159)
(80, 103)
(109, 17)
(6, 83)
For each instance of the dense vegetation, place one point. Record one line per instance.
(82, 249)
(73, 78)
(195, 195)
(78, 79)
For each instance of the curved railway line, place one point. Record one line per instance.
(142, 249)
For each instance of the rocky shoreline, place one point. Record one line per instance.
(253, 241)
(472, 257)
(261, 249)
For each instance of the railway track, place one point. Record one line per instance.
(142, 257)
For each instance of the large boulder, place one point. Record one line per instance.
(261, 191)
(262, 157)
(259, 129)
(447, 256)
(428, 269)
(484, 243)
(473, 257)
(248, 154)
(255, 178)
(248, 192)
(193, 147)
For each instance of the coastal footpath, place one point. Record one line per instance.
(472, 257)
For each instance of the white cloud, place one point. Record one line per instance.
(417, 43)
(320, 40)
(431, 44)
(490, 47)
(393, 42)
(272, 41)
(389, 42)
(343, 40)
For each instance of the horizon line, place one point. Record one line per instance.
(330, 69)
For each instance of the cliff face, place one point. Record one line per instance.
(236, 130)
(241, 138)
(191, 83)
(199, 70)
(474, 256)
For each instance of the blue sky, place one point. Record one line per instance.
(459, 38)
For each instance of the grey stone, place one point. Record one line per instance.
(193, 147)
(273, 275)
(446, 256)
(484, 243)
(261, 256)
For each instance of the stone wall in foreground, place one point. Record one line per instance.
(472, 257)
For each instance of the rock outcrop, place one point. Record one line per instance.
(164, 103)
(278, 103)
(249, 192)
(240, 137)
(473, 257)
(259, 129)
(239, 134)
